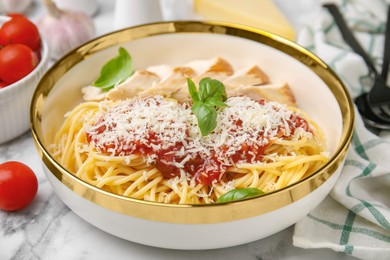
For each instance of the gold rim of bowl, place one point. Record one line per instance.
(194, 214)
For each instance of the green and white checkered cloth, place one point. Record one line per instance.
(355, 218)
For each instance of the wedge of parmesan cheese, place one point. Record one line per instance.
(262, 14)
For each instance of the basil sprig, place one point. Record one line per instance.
(115, 71)
(210, 96)
(239, 194)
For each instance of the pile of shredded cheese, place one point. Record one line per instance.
(133, 120)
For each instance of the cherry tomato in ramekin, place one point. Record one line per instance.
(16, 61)
(20, 30)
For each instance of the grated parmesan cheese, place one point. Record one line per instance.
(159, 124)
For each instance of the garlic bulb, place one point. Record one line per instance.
(89, 7)
(64, 30)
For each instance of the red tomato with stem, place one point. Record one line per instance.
(20, 30)
(18, 186)
(16, 61)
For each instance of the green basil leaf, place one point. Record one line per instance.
(115, 71)
(192, 90)
(239, 194)
(211, 89)
(207, 99)
(215, 103)
(207, 117)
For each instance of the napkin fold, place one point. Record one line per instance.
(355, 217)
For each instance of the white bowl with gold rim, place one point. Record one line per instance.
(318, 92)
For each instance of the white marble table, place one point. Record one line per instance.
(47, 229)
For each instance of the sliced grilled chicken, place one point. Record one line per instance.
(163, 71)
(216, 68)
(168, 81)
(251, 76)
(175, 81)
(91, 93)
(216, 65)
(279, 92)
(136, 83)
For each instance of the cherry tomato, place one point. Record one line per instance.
(16, 61)
(13, 15)
(3, 41)
(18, 186)
(3, 84)
(20, 30)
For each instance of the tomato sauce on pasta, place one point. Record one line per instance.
(152, 149)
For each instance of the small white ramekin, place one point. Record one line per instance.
(15, 101)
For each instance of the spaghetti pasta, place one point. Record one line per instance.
(151, 148)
